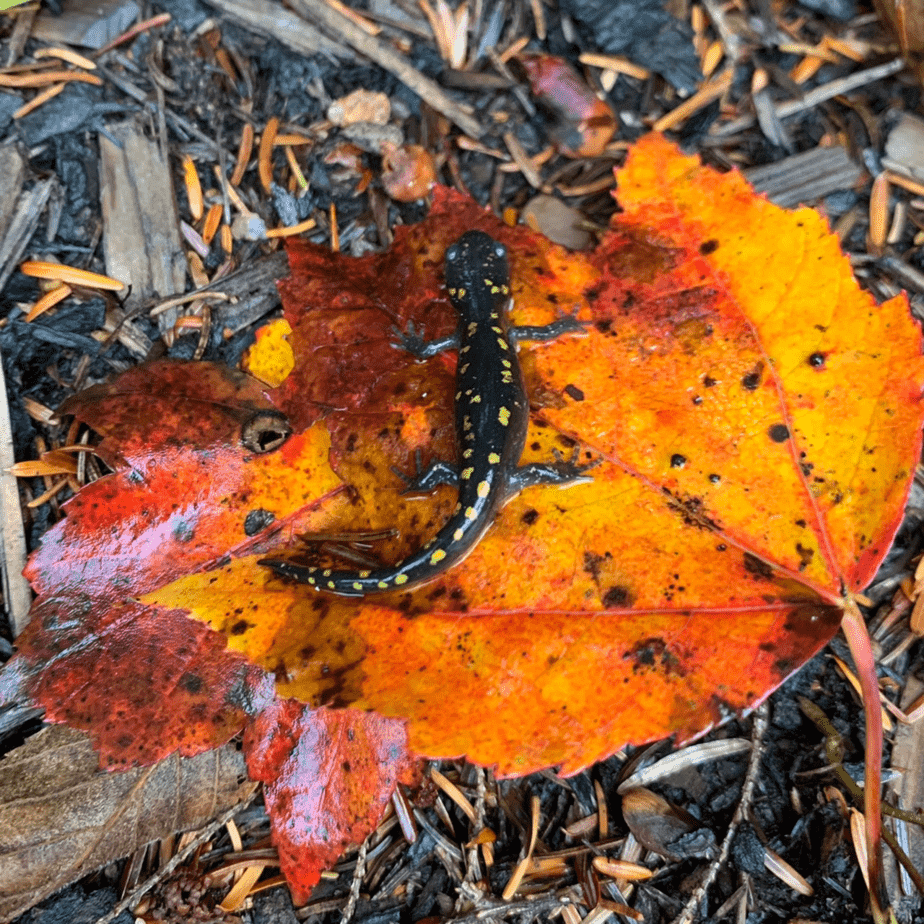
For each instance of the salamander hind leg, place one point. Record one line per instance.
(566, 325)
(562, 472)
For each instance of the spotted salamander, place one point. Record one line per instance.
(492, 414)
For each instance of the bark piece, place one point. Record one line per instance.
(16, 591)
(142, 242)
(271, 20)
(90, 25)
(22, 221)
(11, 177)
(906, 791)
(805, 177)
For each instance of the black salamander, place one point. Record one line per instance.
(492, 414)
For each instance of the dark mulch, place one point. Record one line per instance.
(813, 95)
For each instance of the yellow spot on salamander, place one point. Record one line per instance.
(484, 489)
(497, 330)
(364, 574)
(452, 292)
(467, 473)
(357, 585)
(458, 395)
(503, 415)
(494, 290)
(506, 363)
(505, 290)
(326, 572)
(382, 585)
(502, 343)
(472, 327)
(331, 585)
(464, 349)
(457, 535)
(460, 292)
(311, 580)
(471, 513)
(470, 452)
(466, 422)
(476, 399)
(494, 458)
(463, 369)
(507, 377)
(489, 283)
(401, 579)
(437, 557)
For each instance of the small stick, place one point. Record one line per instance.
(16, 590)
(819, 95)
(386, 57)
(758, 731)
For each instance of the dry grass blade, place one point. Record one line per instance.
(69, 274)
(454, 793)
(677, 761)
(48, 301)
(782, 870)
(43, 78)
(66, 54)
(710, 91)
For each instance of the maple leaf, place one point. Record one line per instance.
(709, 556)
(747, 486)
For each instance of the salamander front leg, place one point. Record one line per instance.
(436, 474)
(414, 344)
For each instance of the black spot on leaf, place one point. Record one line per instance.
(779, 433)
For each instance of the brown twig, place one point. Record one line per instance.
(747, 791)
(385, 56)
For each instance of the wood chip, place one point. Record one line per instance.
(16, 593)
(907, 791)
(90, 25)
(22, 221)
(273, 21)
(805, 177)
(141, 238)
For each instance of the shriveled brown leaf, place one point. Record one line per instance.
(61, 817)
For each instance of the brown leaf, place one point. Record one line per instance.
(61, 817)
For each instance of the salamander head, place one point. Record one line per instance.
(476, 266)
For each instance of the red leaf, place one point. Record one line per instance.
(329, 776)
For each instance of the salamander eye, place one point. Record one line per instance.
(452, 253)
(500, 250)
